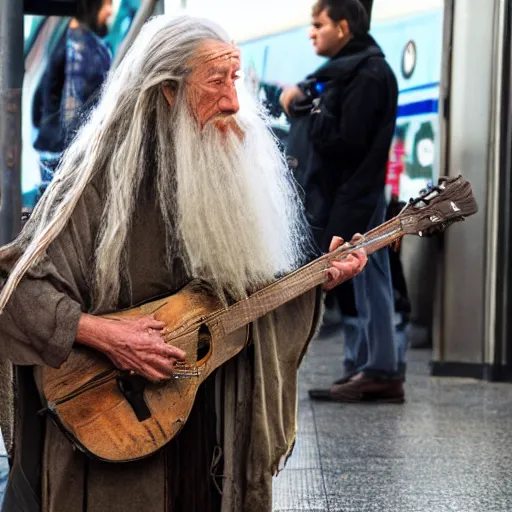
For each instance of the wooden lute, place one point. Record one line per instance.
(116, 416)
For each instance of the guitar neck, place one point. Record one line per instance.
(372, 241)
(295, 284)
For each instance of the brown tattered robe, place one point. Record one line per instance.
(243, 422)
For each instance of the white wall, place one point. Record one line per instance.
(385, 9)
(248, 19)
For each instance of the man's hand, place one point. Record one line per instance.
(136, 345)
(287, 96)
(348, 267)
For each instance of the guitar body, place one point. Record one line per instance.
(118, 417)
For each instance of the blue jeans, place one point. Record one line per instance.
(373, 343)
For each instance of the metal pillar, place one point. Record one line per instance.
(11, 82)
(472, 328)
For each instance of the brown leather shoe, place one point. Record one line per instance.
(362, 388)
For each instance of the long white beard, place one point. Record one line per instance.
(239, 217)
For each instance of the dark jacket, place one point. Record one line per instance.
(339, 141)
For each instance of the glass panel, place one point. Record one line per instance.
(122, 23)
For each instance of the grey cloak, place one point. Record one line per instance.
(244, 418)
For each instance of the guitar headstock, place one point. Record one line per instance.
(450, 201)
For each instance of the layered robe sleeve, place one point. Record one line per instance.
(38, 326)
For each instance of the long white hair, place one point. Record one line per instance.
(133, 132)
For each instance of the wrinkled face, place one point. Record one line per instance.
(105, 12)
(328, 36)
(210, 86)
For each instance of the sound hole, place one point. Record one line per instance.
(204, 342)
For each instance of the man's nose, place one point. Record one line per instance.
(228, 103)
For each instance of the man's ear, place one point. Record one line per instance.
(169, 94)
(343, 28)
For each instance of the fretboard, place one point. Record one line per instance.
(300, 281)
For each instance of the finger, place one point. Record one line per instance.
(154, 376)
(148, 370)
(349, 261)
(156, 324)
(171, 351)
(357, 237)
(335, 243)
(348, 267)
(146, 322)
(152, 321)
(161, 364)
(361, 258)
(158, 347)
(341, 266)
(333, 275)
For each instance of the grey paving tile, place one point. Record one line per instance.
(305, 453)
(305, 418)
(299, 489)
(412, 502)
(449, 448)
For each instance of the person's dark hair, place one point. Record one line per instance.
(87, 13)
(351, 10)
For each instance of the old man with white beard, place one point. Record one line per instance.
(174, 177)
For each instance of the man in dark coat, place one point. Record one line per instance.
(342, 123)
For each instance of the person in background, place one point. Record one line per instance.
(70, 85)
(342, 122)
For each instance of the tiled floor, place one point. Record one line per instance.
(449, 448)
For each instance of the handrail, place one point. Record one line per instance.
(143, 13)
